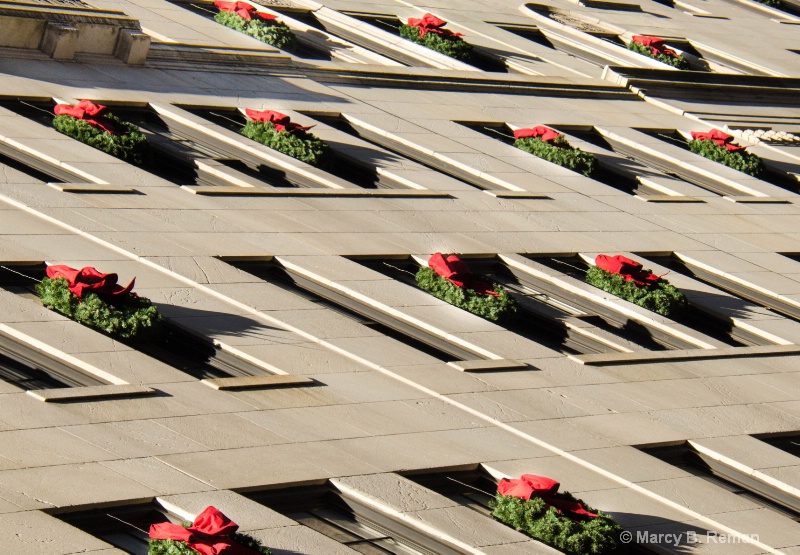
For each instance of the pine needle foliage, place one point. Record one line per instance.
(741, 160)
(675, 61)
(452, 46)
(559, 151)
(175, 547)
(597, 536)
(486, 306)
(134, 318)
(130, 145)
(771, 3)
(663, 298)
(301, 145)
(274, 32)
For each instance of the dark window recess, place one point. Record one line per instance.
(175, 347)
(529, 32)
(694, 462)
(355, 310)
(622, 181)
(361, 528)
(675, 264)
(343, 166)
(42, 113)
(788, 443)
(773, 175)
(123, 527)
(710, 325)
(304, 49)
(548, 316)
(342, 124)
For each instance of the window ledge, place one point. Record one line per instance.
(487, 365)
(92, 188)
(290, 192)
(257, 382)
(609, 359)
(89, 393)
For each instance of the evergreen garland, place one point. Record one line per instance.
(560, 152)
(596, 536)
(741, 160)
(301, 145)
(175, 547)
(449, 45)
(134, 318)
(663, 298)
(130, 145)
(771, 3)
(486, 306)
(675, 61)
(273, 32)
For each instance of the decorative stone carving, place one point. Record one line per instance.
(575, 23)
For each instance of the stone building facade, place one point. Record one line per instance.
(308, 388)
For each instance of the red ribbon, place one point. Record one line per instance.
(627, 268)
(244, 10)
(429, 23)
(90, 280)
(544, 133)
(282, 121)
(211, 533)
(456, 272)
(87, 108)
(722, 139)
(530, 485)
(656, 45)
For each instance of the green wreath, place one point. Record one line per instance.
(486, 306)
(449, 45)
(662, 297)
(675, 61)
(301, 145)
(134, 318)
(560, 152)
(129, 145)
(273, 32)
(741, 160)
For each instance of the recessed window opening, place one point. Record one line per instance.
(675, 264)
(604, 173)
(785, 442)
(174, 346)
(710, 325)
(126, 528)
(694, 462)
(482, 58)
(30, 369)
(357, 311)
(551, 318)
(47, 172)
(361, 528)
(304, 48)
(772, 175)
(355, 171)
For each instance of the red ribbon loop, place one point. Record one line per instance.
(244, 10)
(87, 108)
(530, 485)
(429, 23)
(544, 133)
(211, 533)
(454, 270)
(656, 45)
(282, 122)
(627, 268)
(720, 138)
(89, 280)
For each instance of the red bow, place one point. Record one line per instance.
(530, 485)
(87, 108)
(627, 268)
(244, 10)
(282, 121)
(656, 45)
(429, 23)
(211, 533)
(544, 133)
(722, 139)
(89, 279)
(456, 272)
